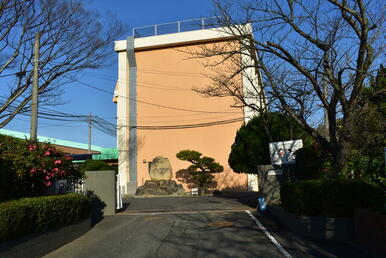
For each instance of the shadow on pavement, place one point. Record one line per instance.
(245, 198)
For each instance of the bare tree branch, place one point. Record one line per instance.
(73, 39)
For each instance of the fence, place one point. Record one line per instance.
(176, 27)
(63, 187)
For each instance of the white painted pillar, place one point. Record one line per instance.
(122, 121)
(250, 80)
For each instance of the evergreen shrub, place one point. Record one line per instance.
(330, 198)
(38, 214)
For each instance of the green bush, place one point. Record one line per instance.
(7, 180)
(28, 167)
(311, 163)
(330, 198)
(94, 165)
(201, 171)
(366, 167)
(37, 214)
(251, 145)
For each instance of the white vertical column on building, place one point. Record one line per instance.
(122, 120)
(250, 80)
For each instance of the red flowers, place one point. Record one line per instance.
(36, 165)
(50, 164)
(32, 147)
(68, 157)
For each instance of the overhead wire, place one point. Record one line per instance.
(164, 72)
(186, 126)
(141, 84)
(109, 128)
(99, 123)
(148, 103)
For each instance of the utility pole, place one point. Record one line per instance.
(89, 132)
(35, 89)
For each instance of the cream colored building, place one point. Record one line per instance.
(158, 112)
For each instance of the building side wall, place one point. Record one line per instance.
(166, 77)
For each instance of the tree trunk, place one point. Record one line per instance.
(201, 190)
(340, 158)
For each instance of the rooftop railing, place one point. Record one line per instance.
(176, 27)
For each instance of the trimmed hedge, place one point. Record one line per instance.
(330, 198)
(311, 163)
(94, 165)
(28, 215)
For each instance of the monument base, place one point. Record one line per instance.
(131, 187)
(160, 187)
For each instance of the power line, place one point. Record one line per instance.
(188, 120)
(164, 72)
(169, 127)
(48, 114)
(148, 103)
(141, 84)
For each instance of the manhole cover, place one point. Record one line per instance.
(221, 224)
(153, 218)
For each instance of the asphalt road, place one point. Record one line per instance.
(193, 227)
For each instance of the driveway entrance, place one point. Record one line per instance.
(224, 202)
(188, 227)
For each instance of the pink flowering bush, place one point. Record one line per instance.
(31, 167)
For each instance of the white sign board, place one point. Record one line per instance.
(283, 152)
(275, 172)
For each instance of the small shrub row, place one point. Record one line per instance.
(37, 214)
(330, 198)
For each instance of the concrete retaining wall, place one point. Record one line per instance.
(37, 245)
(337, 229)
(270, 179)
(370, 230)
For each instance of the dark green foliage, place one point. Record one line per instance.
(251, 146)
(311, 163)
(192, 179)
(366, 159)
(94, 165)
(7, 180)
(202, 167)
(330, 198)
(28, 215)
(367, 167)
(376, 93)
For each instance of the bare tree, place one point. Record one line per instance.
(307, 56)
(73, 39)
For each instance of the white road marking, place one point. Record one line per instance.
(266, 232)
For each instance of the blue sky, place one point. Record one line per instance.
(83, 100)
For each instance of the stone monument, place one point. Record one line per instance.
(160, 169)
(160, 172)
